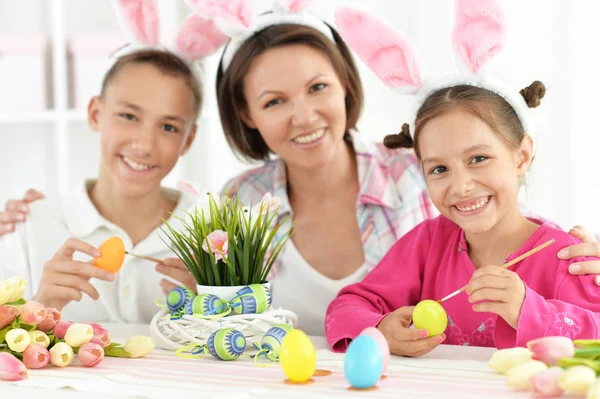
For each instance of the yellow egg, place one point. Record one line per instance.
(297, 356)
(431, 316)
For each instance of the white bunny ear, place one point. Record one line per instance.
(286, 6)
(383, 49)
(199, 37)
(479, 32)
(232, 17)
(140, 19)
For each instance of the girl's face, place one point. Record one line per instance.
(146, 121)
(297, 102)
(472, 174)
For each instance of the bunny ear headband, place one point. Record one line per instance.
(197, 37)
(235, 19)
(478, 36)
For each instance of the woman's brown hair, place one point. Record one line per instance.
(247, 142)
(486, 105)
(166, 62)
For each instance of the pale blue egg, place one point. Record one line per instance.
(363, 364)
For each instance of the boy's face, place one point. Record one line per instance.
(146, 121)
(472, 174)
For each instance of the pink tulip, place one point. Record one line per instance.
(33, 313)
(11, 368)
(268, 204)
(550, 349)
(90, 354)
(100, 334)
(60, 329)
(53, 316)
(8, 314)
(546, 383)
(218, 242)
(36, 356)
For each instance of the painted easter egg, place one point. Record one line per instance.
(178, 297)
(112, 254)
(271, 341)
(297, 356)
(382, 342)
(226, 344)
(205, 305)
(363, 363)
(254, 298)
(431, 316)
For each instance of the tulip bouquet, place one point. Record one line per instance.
(551, 366)
(31, 336)
(223, 243)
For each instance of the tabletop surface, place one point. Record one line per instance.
(446, 372)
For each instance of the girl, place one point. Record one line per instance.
(472, 144)
(145, 115)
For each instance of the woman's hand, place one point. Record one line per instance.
(174, 268)
(16, 211)
(588, 247)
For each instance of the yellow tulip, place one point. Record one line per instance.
(17, 339)
(519, 376)
(38, 337)
(139, 345)
(61, 355)
(18, 285)
(594, 391)
(5, 292)
(577, 380)
(505, 359)
(78, 334)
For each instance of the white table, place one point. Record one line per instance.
(446, 372)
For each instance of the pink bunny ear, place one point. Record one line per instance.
(199, 37)
(385, 50)
(189, 187)
(291, 5)
(479, 32)
(236, 13)
(141, 17)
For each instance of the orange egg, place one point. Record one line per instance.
(112, 254)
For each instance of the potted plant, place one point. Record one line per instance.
(227, 246)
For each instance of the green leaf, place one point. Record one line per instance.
(28, 327)
(588, 353)
(116, 351)
(570, 362)
(19, 302)
(3, 332)
(587, 343)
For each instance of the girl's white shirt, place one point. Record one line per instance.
(131, 296)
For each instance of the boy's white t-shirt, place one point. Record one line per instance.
(130, 297)
(289, 288)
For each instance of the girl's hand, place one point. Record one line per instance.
(588, 247)
(64, 280)
(174, 268)
(502, 290)
(405, 341)
(16, 211)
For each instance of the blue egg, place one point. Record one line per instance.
(363, 364)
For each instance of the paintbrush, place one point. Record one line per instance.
(151, 259)
(506, 265)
